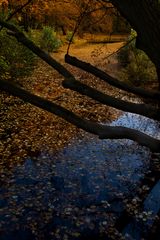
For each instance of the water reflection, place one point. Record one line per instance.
(140, 123)
(79, 189)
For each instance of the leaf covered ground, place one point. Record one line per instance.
(25, 129)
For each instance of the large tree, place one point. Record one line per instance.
(138, 13)
(144, 17)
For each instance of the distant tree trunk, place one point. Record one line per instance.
(63, 30)
(24, 22)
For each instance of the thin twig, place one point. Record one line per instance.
(18, 10)
(119, 49)
(80, 18)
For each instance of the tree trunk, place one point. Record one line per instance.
(144, 17)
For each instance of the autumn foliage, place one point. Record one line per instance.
(93, 18)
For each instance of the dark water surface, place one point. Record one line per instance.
(78, 191)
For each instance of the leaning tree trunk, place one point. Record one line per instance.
(144, 17)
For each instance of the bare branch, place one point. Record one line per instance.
(142, 109)
(112, 81)
(72, 83)
(103, 131)
(119, 49)
(80, 18)
(19, 9)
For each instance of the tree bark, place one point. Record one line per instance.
(110, 80)
(144, 17)
(72, 83)
(142, 109)
(103, 131)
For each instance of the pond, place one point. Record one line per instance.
(78, 192)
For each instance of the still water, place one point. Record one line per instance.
(77, 192)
